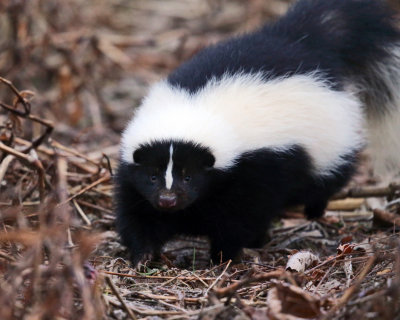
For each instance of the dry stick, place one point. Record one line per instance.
(32, 162)
(213, 268)
(115, 291)
(58, 145)
(350, 291)
(338, 258)
(42, 149)
(157, 277)
(219, 277)
(169, 298)
(94, 206)
(48, 124)
(230, 290)
(333, 259)
(200, 279)
(324, 277)
(387, 216)
(21, 99)
(92, 185)
(368, 192)
(39, 140)
(81, 213)
(150, 312)
(172, 306)
(4, 165)
(173, 279)
(6, 256)
(51, 152)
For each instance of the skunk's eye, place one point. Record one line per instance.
(187, 178)
(153, 178)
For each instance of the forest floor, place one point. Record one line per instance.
(71, 73)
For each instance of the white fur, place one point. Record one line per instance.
(384, 127)
(245, 112)
(168, 173)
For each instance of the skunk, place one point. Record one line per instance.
(260, 122)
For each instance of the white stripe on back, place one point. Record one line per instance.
(246, 112)
(168, 173)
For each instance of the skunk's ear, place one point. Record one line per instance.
(137, 156)
(209, 160)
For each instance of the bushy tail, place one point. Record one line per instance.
(364, 35)
(382, 100)
(377, 81)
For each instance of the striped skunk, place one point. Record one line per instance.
(260, 122)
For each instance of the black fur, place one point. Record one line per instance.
(232, 207)
(339, 38)
(342, 48)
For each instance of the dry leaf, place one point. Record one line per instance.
(302, 260)
(345, 248)
(288, 302)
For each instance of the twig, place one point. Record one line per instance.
(157, 277)
(200, 279)
(169, 298)
(6, 256)
(219, 277)
(214, 268)
(350, 291)
(108, 164)
(324, 277)
(58, 145)
(230, 290)
(116, 293)
(30, 161)
(26, 114)
(4, 165)
(172, 306)
(347, 204)
(21, 99)
(93, 206)
(366, 192)
(387, 216)
(149, 312)
(92, 185)
(81, 213)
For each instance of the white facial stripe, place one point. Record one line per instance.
(168, 172)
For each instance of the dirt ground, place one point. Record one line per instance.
(71, 74)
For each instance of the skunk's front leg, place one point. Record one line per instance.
(143, 238)
(139, 244)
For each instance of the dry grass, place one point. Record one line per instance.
(84, 65)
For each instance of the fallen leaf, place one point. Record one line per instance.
(346, 239)
(288, 302)
(302, 260)
(345, 248)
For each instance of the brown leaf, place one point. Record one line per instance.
(345, 248)
(288, 302)
(346, 239)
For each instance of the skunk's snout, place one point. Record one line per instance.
(167, 200)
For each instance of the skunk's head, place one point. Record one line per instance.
(171, 175)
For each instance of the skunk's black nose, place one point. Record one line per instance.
(167, 200)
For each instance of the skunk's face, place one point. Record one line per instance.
(172, 175)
